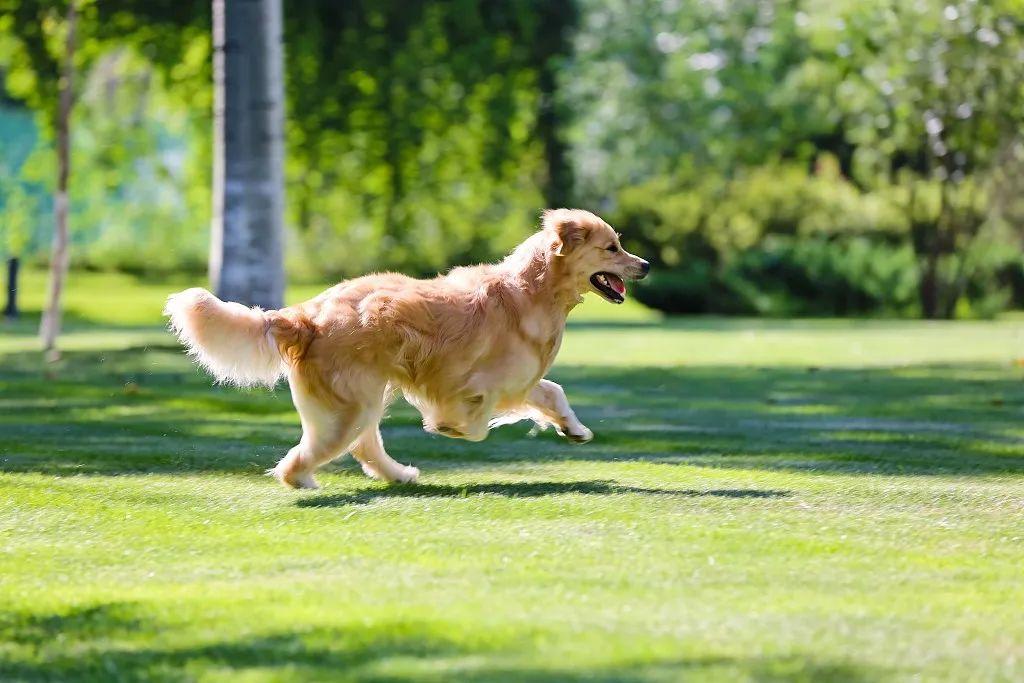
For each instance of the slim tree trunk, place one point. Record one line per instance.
(929, 287)
(50, 325)
(11, 309)
(558, 186)
(247, 245)
(558, 17)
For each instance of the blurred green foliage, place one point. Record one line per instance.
(772, 240)
(419, 133)
(812, 157)
(867, 149)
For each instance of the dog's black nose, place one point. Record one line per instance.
(645, 268)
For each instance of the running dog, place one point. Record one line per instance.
(468, 349)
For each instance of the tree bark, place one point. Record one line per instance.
(247, 243)
(49, 327)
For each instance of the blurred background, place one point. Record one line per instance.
(812, 157)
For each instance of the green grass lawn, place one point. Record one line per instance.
(764, 500)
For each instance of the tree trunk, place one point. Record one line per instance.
(558, 17)
(11, 310)
(929, 287)
(49, 327)
(247, 244)
(558, 186)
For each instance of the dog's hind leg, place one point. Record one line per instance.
(330, 424)
(549, 400)
(369, 451)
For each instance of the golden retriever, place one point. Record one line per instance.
(468, 349)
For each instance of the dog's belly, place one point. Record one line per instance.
(464, 409)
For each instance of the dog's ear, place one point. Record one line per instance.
(570, 232)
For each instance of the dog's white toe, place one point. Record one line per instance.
(404, 475)
(409, 475)
(295, 481)
(582, 436)
(306, 481)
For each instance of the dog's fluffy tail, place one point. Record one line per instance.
(234, 343)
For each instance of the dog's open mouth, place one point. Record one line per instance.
(610, 286)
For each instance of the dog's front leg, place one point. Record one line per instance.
(548, 398)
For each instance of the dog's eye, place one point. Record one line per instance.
(612, 249)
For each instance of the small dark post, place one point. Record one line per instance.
(11, 310)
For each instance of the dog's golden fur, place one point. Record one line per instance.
(469, 349)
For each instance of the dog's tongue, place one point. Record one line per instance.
(617, 284)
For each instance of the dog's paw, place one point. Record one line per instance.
(409, 475)
(305, 481)
(370, 472)
(406, 475)
(582, 435)
(291, 479)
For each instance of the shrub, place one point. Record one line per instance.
(785, 275)
(780, 240)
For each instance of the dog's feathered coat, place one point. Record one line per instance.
(469, 349)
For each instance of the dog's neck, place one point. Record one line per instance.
(540, 269)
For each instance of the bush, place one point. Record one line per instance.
(780, 240)
(793, 276)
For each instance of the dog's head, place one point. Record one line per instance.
(592, 253)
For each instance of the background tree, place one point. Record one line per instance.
(49, 327)
(44, 53)
(932, 96)
(16, 215)
(551, 46)
(247, 236)
(430, 148)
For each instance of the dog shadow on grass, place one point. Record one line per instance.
(535, 489)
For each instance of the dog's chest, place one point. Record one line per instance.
(538, 327)
(543, 335)
(530, 326)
